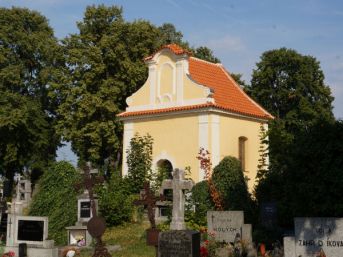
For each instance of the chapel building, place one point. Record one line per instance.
(187, 104)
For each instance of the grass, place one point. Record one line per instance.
(131, 239)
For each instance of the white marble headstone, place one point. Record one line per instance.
(225, 224)
(313, 235)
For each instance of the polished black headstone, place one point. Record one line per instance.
(23, 250)
(268, 214)
(30, 230)
(179, 243)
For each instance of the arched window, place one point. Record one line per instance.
(242, 151)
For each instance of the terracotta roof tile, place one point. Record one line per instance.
(227, 94)
(176, 49)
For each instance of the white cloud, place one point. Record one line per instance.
(226, 43)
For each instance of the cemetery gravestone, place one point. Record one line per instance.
(31, 231)
(178, 242)
(268, 214)
(226, 225)
(315, 237)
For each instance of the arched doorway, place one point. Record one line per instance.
(164, 171)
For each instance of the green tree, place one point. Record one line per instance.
(57, 199)
(29, 62)
(139, 161)
(105, 66)
(205, 53)
(310, 186)
(291, 86)
(238, 78)
(169, 35)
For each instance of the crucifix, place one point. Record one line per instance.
(149, 199)
(178, 184)
(96, 225)
(88, 183)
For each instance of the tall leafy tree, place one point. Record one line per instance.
(28, 66)
(105, 67)
(291, 87)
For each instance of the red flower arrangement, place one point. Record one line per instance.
(9, 254)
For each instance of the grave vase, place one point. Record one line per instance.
(152, 236)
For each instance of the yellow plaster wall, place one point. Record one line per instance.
(191, 90)
(176, 137)
(230, 131)
(141, 96)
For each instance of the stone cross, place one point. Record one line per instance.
(149, 199)
(177, 184)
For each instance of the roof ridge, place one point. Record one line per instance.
(201, 60)
(175, 48)
(239, 88)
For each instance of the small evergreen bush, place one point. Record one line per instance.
(57, 199)
(116, 201)
(201, 200)
(229, 180)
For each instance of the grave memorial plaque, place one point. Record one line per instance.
(30, 230)
(179, 243)
(313, 235)
(225, 224)
(268, 214)
(85, 209)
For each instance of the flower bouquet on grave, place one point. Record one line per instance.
(9, 254)
(80, 241)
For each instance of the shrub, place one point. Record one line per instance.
(201, 200)
(116, 201)
(229, 180)
(139, 159)
(57, 199)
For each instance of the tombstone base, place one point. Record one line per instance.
(177, 225)
(180, 243)
(35, 251)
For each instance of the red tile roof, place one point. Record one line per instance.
(227, 94)
(176, 49)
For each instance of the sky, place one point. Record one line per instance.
(238, 31)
